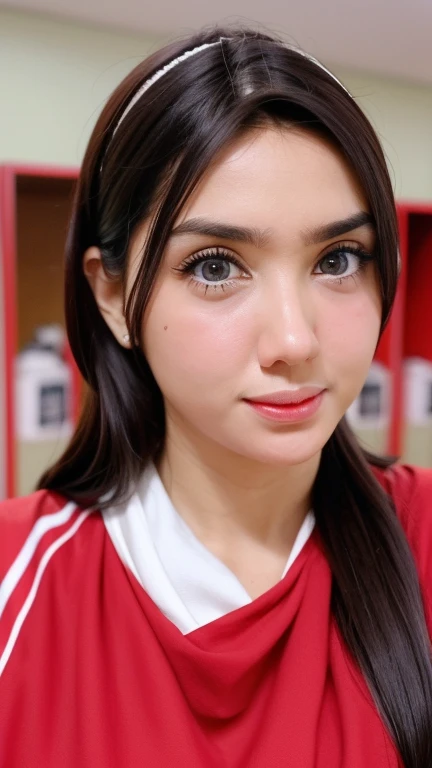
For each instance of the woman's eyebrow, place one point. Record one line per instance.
(201, 226)
(260, 238)
(338, 228)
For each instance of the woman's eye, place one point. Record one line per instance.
(215, 270)
(214, 267)
(341, 263)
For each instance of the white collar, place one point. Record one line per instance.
(189, 584)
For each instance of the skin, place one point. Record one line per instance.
(243, 483)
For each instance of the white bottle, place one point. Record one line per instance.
(43, 388)
(418, 411)
(418, 391)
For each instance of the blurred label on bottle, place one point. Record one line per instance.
(369, 414)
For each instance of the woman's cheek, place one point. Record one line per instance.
(208, 350)
(198, 338)
(353, 321)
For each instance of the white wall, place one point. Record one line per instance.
(402, 115)
(55, 76)
(54, 79)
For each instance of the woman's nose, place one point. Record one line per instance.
(287, 327)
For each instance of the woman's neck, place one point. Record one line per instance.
(247, 514)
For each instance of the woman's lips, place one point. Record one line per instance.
(288, 411)
(288, 396)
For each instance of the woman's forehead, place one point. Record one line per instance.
(271, 179)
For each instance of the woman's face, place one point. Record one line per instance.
(264, 290)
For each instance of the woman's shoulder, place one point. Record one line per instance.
(27, 522)
(410, 489)
(31, 507)
(50, 548)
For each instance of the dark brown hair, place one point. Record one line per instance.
(150, 165)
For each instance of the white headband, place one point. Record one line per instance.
(153, 79)
(160, 74)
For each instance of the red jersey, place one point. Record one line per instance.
(93, 674)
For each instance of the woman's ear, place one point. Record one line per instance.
(108, 293)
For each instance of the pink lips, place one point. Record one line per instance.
(288, 405)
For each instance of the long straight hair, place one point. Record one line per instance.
(147, 166)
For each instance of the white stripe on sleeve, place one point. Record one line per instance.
(32, 593)
(18, 567)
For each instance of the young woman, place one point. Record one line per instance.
(215, 573)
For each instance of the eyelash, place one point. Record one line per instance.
(187, 267)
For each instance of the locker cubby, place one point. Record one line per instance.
(35, 205)
(417, 341)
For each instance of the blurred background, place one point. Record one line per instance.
(59, 61)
